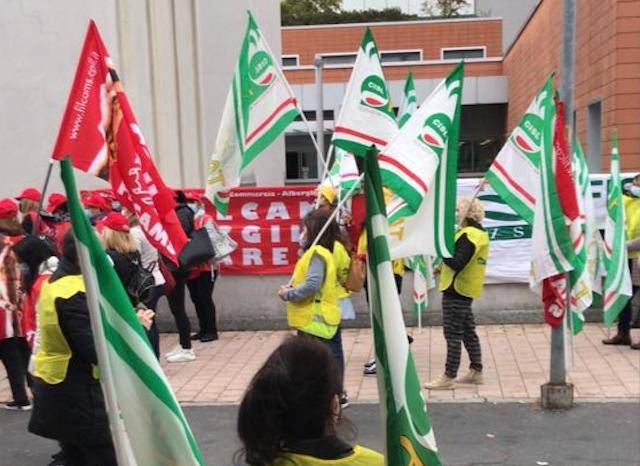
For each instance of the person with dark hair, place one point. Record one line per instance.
(69, 405)
(12, 341)
(312, 296)
(289, 413)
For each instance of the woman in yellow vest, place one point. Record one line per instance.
(68, 404)
(462, 280)
(312, 296)
(289, 413)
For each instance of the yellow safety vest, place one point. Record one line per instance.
(470, 280)
(53, 355)
(632, 219)
(361, 456)
(342, 259)
(397, 264)
(320, 314)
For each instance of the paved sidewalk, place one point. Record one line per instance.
(516, 359)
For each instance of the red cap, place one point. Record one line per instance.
(8, 208)
(115, 221)
(96, 201)
(31, 194)
(55, 201)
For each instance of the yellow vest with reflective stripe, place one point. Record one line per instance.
(323, 307)
(632, 219)
(342, 260)
(470, 280)
(397, 264)
(53, 355)
(361, 456)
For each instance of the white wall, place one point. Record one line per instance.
(175, 59)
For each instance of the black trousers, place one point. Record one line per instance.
(154, 335)
(624, 319)
(80, 454)
(14, 353)
(459, 326)
(201, 291)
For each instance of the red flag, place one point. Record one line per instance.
(83, 128)
(100, 134)
(554, 289)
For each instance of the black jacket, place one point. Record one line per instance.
(464, 251)
(74, 409)
(126, 266)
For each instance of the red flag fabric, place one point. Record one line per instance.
(554, 289)
(82, 132)
(100, 134)
(137, 184)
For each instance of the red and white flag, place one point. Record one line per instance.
(100, 135)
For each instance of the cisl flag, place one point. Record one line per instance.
(514, 173)
(343, 175)
(258, 109)
(420, 166)
(366, 116)
(408, 434)
(100, 135)
(409, 102)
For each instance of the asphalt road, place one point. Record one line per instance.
(602, 434)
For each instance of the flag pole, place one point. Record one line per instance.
(47, 178)
(304, 118)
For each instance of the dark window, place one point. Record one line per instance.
(460, 54)
(345, 59)
(301, 157)
(594, 136)
(310, 115)
(392, 57)
(481, 136)
(289, 61)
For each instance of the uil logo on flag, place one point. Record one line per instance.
(435, 132)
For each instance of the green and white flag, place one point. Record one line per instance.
(584, 279)
(409, 102)
(343, 174)
(617, 281)
(259, 107)
(420, 166)
(423, 281)
(147, 424)
(366, 116)
(409, 437)
(514, 174)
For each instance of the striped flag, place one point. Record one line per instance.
(584, 279)
(259, 107)
(617, 281)
(556, 228)
(147, 424)
(343, 174)
(423, 281)
(409, 437)
(514, 172)
(409, 102)
(420, 166)
(366, 116)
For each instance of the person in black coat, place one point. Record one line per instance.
(68, 404)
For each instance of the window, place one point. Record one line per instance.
(339, 59)
(481, 136)
(463, 53)
(302, 159)
(394, 57)
(289, 61)
(594, 136)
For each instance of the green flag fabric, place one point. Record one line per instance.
(408, 435)
(409, 103)
(343, 175)
(147, 424)
(259, 107)
(617, 281)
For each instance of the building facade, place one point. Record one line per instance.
(428, 49)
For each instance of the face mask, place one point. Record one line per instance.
(303, 237)
(634, 190)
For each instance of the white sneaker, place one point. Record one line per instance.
(173, 350)
(182, 355)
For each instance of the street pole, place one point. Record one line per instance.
(319, 63)
(557, 394)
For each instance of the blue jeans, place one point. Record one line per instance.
(335, 345)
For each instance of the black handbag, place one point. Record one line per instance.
(197, 251)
